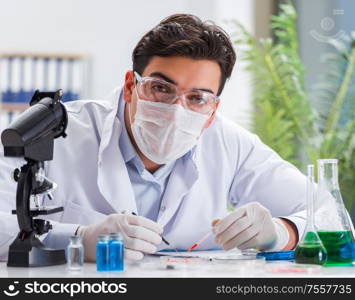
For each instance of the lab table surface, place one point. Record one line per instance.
(152, 266)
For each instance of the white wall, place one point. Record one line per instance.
(236, 98)
(108, 30)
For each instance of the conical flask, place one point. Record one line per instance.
(310, 249)
(333, 223)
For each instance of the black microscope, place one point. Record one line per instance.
(31, 136)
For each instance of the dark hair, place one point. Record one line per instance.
(186, 35)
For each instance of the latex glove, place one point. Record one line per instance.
(140, 235)
(251, 226)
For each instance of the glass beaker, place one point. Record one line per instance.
(333, 225)
(310, 249)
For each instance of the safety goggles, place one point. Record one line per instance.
(158, 90)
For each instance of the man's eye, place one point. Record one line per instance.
(197, 99)
(160, 88)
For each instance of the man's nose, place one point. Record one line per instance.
(179, 100)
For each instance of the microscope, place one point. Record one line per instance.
(31, 136)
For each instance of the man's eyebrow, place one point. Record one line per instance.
(166, 78)
(162, 76)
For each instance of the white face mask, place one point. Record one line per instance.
(165, 132)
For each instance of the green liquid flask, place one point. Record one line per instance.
(335, 230)
(339, 247)
(310, 249)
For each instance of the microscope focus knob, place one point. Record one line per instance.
(16, 174)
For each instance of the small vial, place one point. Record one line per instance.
(102, 253)
(75, 253)
(116, 252)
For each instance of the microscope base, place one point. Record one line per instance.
(30, 252)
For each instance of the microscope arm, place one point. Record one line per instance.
(23, 200)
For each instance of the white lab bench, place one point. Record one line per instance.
(152, 267)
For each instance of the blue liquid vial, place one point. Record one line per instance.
(102, 253)
(116, 252)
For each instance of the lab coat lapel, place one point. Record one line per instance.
(181, 180)
(113, 180)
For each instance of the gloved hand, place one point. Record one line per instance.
(251, 226)
(140, 235)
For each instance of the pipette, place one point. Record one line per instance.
(200, 241)
(214, 223)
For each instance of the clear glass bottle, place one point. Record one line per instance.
(116, 252)
(75, 253)
(335, 230)
(102, 253)
(310, 249)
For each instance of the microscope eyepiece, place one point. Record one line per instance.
(31, 135)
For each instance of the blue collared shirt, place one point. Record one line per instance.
(148, 187)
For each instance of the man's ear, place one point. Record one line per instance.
(128, 86)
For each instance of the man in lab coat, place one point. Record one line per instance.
(158, 148)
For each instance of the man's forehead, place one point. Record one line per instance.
(185, 72)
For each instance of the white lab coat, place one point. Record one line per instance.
(230, 165)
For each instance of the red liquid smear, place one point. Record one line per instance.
(193, 247)
(288, 270)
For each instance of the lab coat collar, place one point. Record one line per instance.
(112, 172)
(125, 144)
(182, 178)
